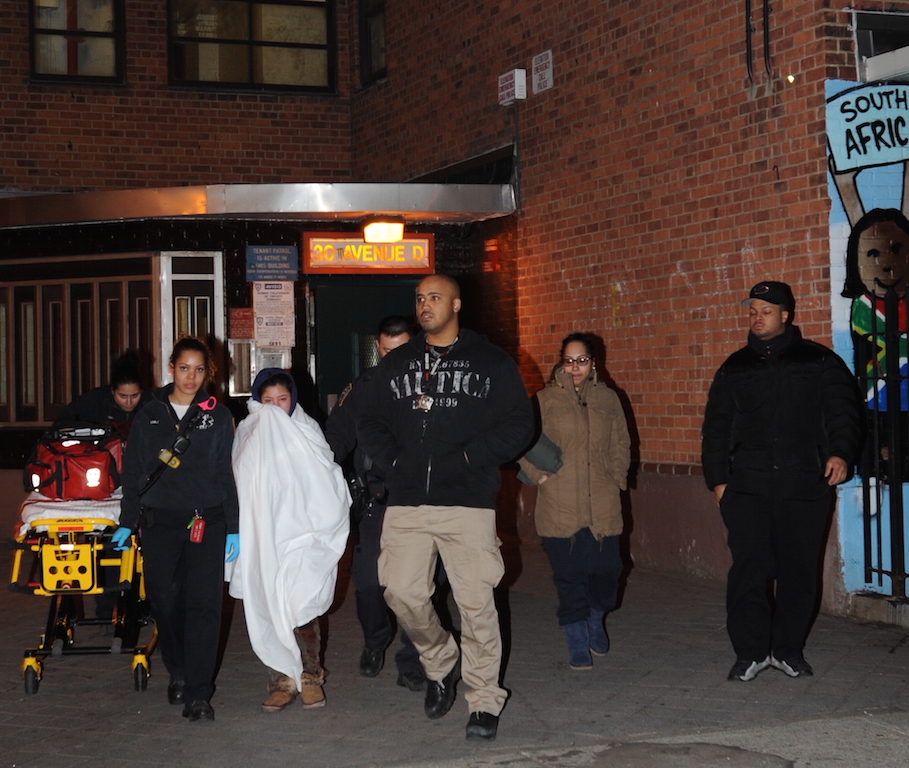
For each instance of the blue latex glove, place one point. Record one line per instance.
(120, 539)
(231, 547)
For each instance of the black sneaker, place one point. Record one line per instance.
(796, 667)
(440, 694)
(413, 681)
(371, 661)
(175, 691)
(746, 670)
(482, 725)
(198, 710)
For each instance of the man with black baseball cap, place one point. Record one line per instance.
(782, 427)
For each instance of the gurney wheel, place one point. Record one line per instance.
(140, 678)
(30, 679)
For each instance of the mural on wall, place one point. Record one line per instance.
(868, 145)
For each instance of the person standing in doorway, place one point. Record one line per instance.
(443, 412)
(782, 427)
(372, 611)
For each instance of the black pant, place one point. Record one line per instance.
(184, 582)
(585, 573)
(772, 539)
(373, 613)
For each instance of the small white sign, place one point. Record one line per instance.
(542, 71)
(275, 331)
(273, 298)
(512, 87)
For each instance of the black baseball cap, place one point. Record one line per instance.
(772, 292)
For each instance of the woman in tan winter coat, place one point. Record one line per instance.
(578, 509)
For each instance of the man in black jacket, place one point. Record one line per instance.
(442, 413)
(781, 428)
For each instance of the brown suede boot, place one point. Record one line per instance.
(281, 692)
(312, 694)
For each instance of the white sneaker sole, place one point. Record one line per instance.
(783, 667)
(755, 669)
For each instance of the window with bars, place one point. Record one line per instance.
(279, 45)
(77, 40)
(881, 44)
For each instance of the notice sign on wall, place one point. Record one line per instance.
(273, 305)
(271, 262)
(542, 72)
(341, 253)
(512, 87)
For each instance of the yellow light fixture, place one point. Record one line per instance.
(383, 229)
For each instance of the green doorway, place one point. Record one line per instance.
(347, 312)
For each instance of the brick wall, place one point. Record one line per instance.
(658, 182)
(70, 138)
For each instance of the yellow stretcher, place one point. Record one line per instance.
(62, 557)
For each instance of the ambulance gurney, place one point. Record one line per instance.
(60, 550)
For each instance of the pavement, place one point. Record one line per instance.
(659, 698)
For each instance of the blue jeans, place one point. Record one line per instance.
(585, 573)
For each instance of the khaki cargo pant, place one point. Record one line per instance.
(465, 538)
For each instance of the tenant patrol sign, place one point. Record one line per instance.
(868, 126)
(271, 262)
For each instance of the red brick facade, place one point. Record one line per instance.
(657, 182)
(71, 138)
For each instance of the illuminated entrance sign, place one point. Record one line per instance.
(333, 253)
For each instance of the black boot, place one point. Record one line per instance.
(440, 695)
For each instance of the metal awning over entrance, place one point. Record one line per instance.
(417, 203)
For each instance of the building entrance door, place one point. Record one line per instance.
(192, 302)
(347, 313)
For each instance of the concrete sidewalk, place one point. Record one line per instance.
(660, 698)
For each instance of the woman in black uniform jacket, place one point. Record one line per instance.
(189, 518)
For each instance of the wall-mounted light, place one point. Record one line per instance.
(383, 229)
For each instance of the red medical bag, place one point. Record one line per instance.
(66, 466)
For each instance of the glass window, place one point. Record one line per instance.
(77, 40)
(877, 33)
(285, 44)
(372, 41)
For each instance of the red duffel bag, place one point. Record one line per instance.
(67, 467)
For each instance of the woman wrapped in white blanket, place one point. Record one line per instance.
(294, 522)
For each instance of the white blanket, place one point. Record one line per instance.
(37, 507)
(294, 522)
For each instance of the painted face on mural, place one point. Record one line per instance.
(883, 258)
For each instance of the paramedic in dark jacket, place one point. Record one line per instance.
(190, 521)
(781, 428)
(443, 412)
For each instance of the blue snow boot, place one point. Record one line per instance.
(578, 645)
(596, 629)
